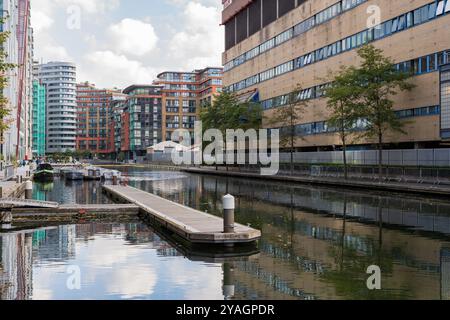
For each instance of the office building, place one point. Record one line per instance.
(272, 46)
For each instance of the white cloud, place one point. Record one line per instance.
(91, 6)
(133, 37)
(201, 41)
(132, 282)
(41, 20)
(58, 53)
(51, 50)
(106, 67)
(122, 47)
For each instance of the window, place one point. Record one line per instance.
(252, 53)
(421, 15)
(267, 45)
(286, 67)
(401, 23)
(251, 81)
(304, 26)
(440, 8)
(285, 36)
(266, 75)
(432, 11)
(447, 7)
(432, 63)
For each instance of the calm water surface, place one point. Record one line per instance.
(316, 244)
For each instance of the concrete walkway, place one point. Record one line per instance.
(425, 189)
(192, 225)
(11, 189)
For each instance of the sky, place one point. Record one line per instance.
(116, 43)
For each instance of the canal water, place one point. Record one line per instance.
(317, 243)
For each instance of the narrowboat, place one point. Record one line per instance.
(44, 172)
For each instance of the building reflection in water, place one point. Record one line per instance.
(321, 239)
(316, 244)
(16, 266)
(56, 247)
(70, 192)
(445, 273)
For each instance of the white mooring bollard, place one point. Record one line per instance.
(228, 213)
(28, 190)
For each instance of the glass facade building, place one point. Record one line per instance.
(39, 119)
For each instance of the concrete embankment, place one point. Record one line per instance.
(424, 189)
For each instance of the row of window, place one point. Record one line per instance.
(59, 79)
(180, 94)
(389, 27)
(177, 110)
(321, 127)
(319, 18)
(58, 68)
(417, 66)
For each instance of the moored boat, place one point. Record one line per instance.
(74, 175)
(92, 173)
(109, 174)
(44, 172)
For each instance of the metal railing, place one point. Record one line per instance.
(403, 158)
(7, 172)
(430, 166)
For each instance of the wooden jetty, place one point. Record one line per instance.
(77, 209)
(73, 214)
(25, 203)
(192, 225)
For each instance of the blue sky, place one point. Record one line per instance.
(120, 42)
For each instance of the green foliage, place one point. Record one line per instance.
(81, 154)
(342, 103)
(379, 81)
(226, 112)
(121, 156)
(288, 117)
(365, 93)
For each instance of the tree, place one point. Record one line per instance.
(226, 112)
(379, 81)
(4, 68)
(342, 103)
(288, 117)
(121, 156)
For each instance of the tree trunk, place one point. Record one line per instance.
(292, 154)
(344, 150)
(380, 156)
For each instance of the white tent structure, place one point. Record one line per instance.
(167, 147)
